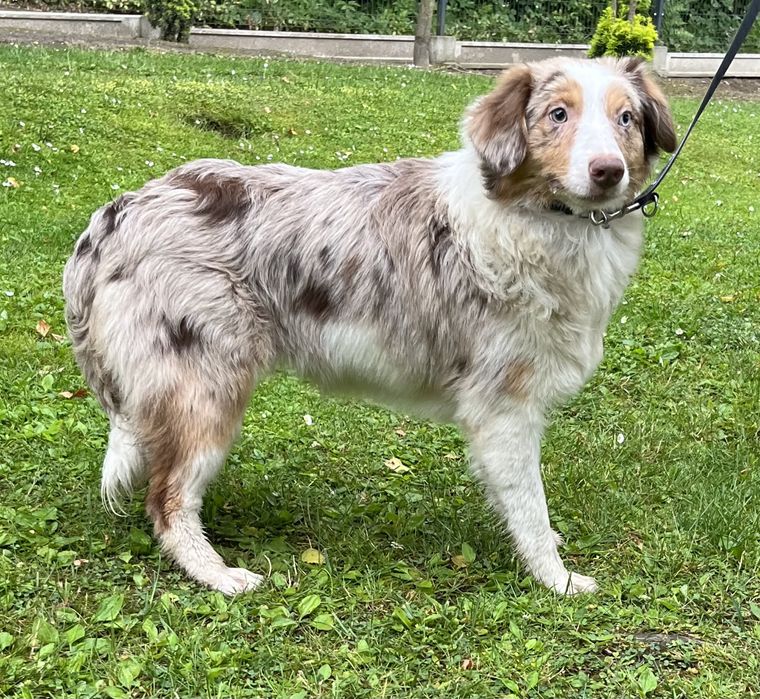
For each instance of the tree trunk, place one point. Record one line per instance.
(422, 34)
(614, 8)
(632, 10)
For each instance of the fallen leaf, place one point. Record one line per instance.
(468, 664)
(458, 561)
(267, 110)
(400, 432)
(74, 148)
(728, 298)
(396, 466)
(286, 79)
(80, 393)
(59, 338)
(66, 394)
(451, 456)
(308, 419)
(313, 557)
(12, 182)
(43, 328)
(81, 561)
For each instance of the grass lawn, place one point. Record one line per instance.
(652, 473)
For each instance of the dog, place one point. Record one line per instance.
(470, 288)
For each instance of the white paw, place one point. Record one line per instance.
(574, 584)
(558, 540)
(234, 581)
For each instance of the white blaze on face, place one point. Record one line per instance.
(595, 132)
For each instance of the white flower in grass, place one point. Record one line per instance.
(36, 148)
(620, 438)
(149, 163)
(7, 163)
(115, 186)
(37, 170)
(308, 419)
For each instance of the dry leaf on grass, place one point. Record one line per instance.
(396, 466)
(43, 328)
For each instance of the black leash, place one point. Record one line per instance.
(648, 200)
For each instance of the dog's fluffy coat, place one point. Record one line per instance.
(469, 288)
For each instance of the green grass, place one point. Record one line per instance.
(652, 473)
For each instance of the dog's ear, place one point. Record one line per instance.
(658, 129)
(496, 122)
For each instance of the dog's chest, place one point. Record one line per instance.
(560, 291)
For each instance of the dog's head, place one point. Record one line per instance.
(585, 133)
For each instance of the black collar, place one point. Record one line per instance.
(561, 208)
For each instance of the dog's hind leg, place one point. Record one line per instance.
(186, 433)
(123, 465)
(506, 457)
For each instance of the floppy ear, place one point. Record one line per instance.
(658, 130)
(496, 122)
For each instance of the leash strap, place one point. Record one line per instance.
(647, 201)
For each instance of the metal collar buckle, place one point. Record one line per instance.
(648, 203)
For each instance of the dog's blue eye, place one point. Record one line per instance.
(625, 119)
(558, 115)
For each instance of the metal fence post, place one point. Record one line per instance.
(659, 13)
(441, 24)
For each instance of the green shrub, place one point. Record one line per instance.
(615, 36)
(173, 17)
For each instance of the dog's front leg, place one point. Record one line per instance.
(506, 457)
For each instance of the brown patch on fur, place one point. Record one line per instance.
(548, 148)
(314, 299)
(630, 139)
(111, 213)
(515, 377)
(349, 270)
(84, 246)
(657, 128)
(182, 335)
(117, 274)
(441, 241)
(176, 428)
(615, 101)
(220, 199)
(497, 126)
(550, 144)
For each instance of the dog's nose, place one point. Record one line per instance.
(606, 171)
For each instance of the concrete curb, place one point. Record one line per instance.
(365, 48)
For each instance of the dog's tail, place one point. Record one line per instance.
(122, 467)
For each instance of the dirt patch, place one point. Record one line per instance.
(729, 89)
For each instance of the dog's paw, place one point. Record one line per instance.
(575, 584)
(234, 581)
(559, 542)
